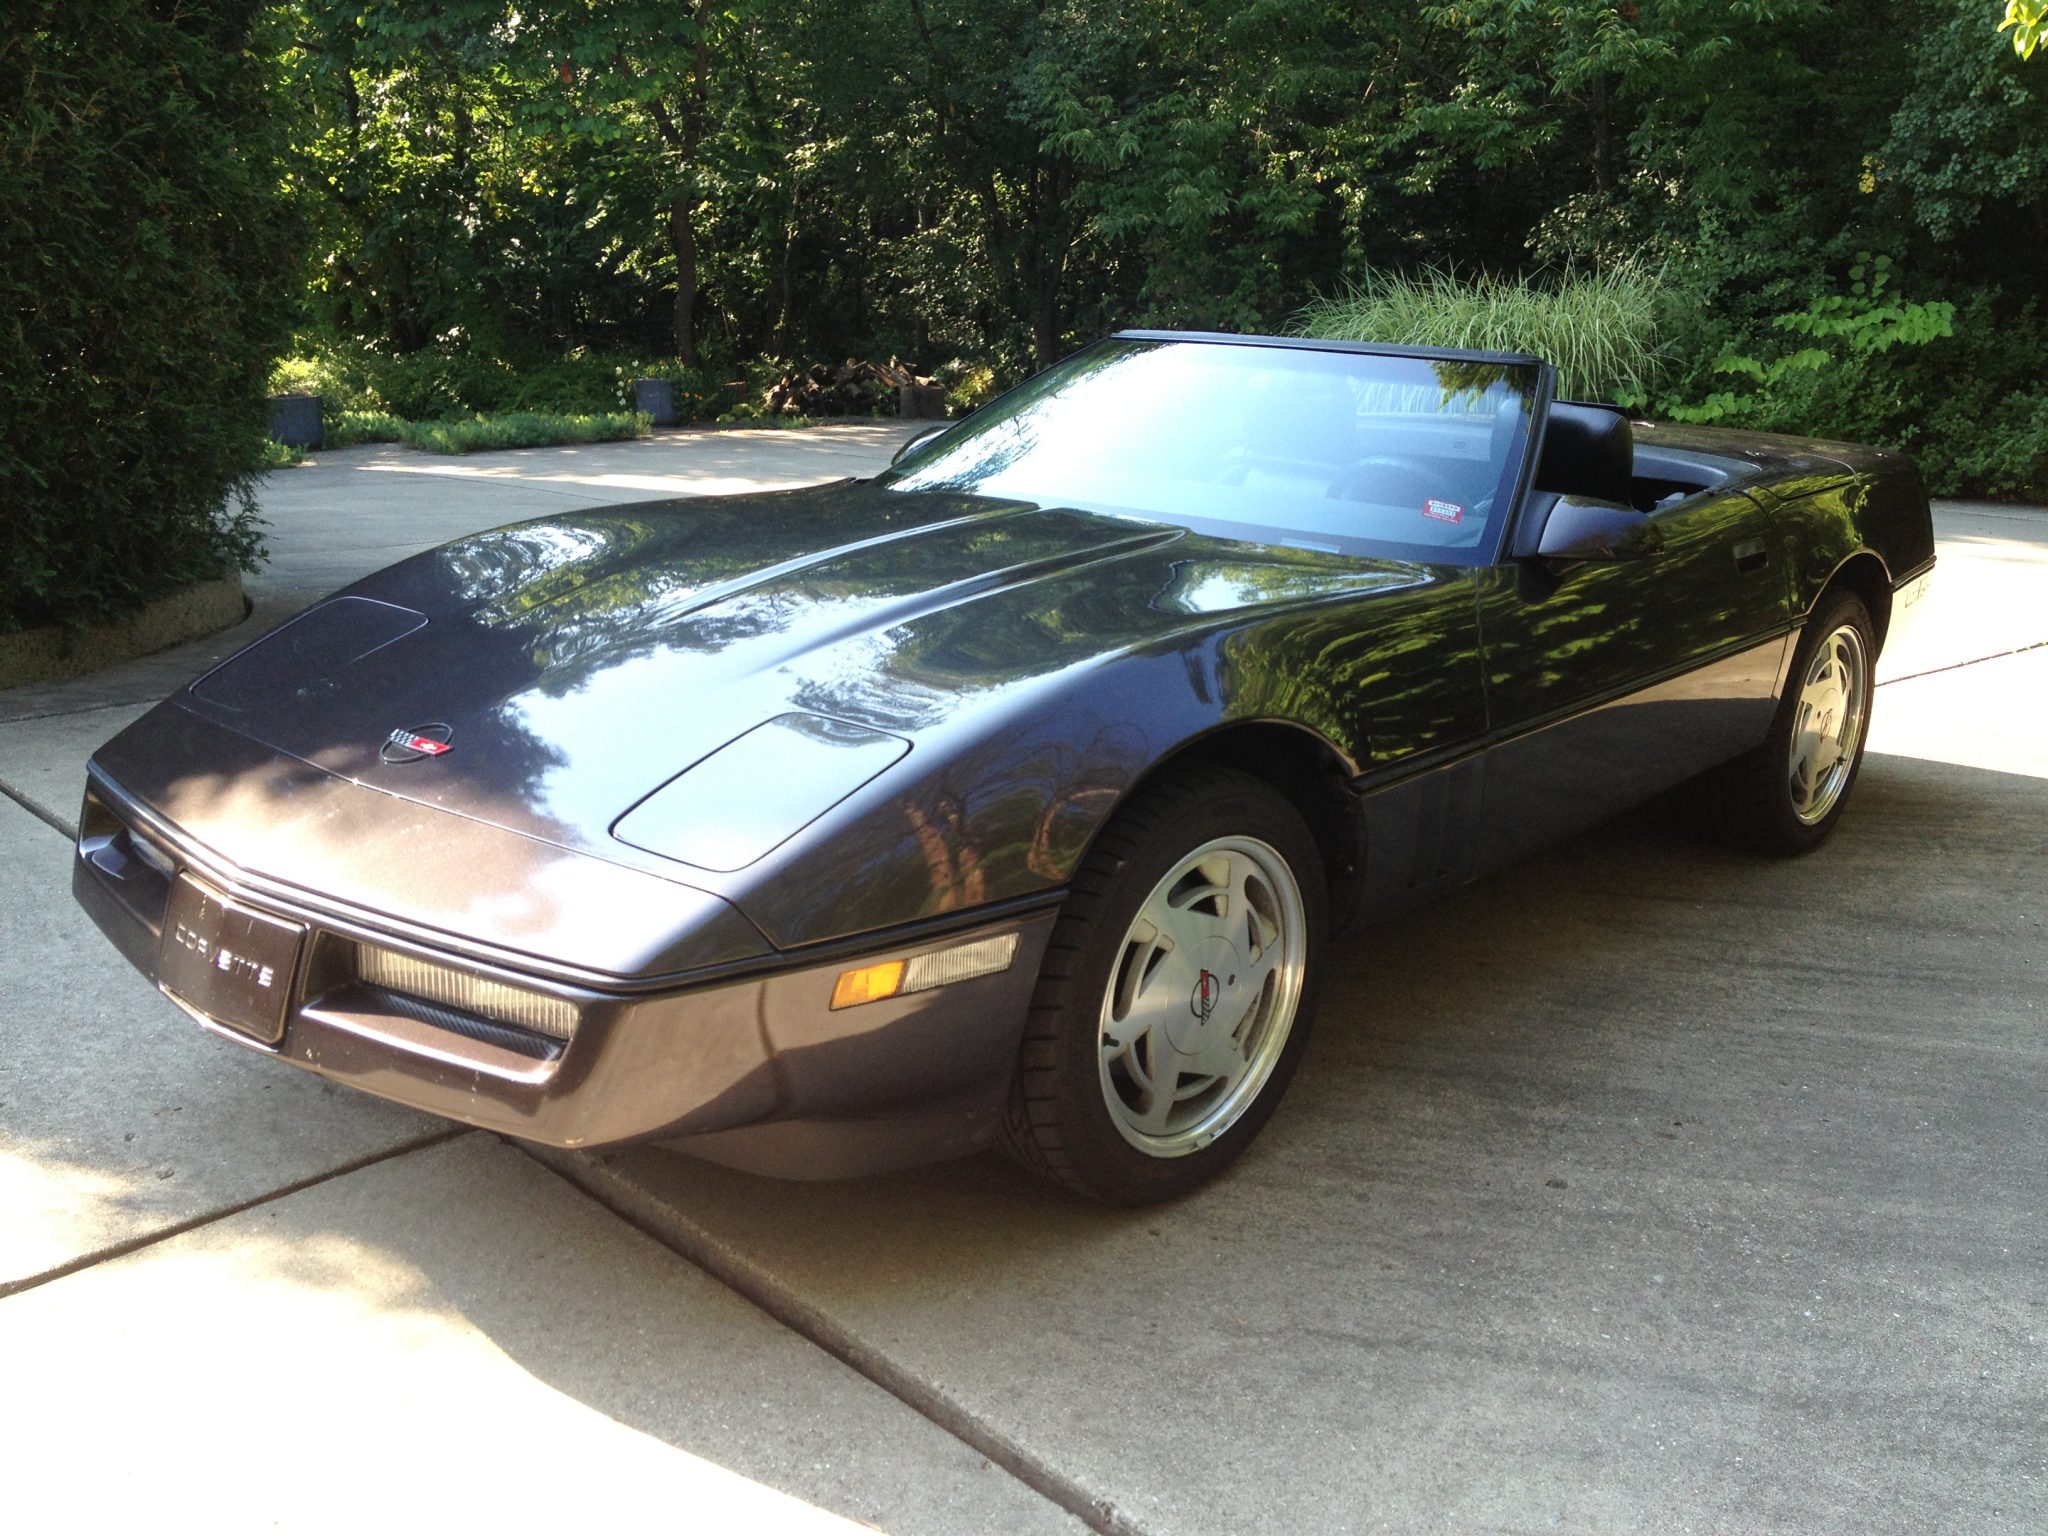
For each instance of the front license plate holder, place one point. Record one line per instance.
(228, 962)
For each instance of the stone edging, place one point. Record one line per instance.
(47, 656)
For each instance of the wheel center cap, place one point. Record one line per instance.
(1210, 998)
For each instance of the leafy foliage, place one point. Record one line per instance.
(521, 209)
(150, 270)
(2028, 21)
(1853, 328)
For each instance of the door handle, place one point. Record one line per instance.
(1750, 555)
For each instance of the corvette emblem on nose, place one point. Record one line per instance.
(410, 745)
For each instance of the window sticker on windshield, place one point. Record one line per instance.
(1443, 511)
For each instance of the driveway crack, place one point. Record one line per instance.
(222, 1213)
(1957, 666)
(41, 813)
(696, 1245)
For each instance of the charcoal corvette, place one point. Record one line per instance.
(1011, 795)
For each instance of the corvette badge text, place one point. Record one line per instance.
(224, 959)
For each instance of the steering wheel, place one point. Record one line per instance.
(1368, 479)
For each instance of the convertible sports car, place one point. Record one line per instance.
(1011, 795)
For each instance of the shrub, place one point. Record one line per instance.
(454, 380)
(968, 385)
(2002, 453)
(519, 429)
(1956, 385)
(478, 433)
(149, 271)
(1838, 381)
(1600, 329)
(345, 429)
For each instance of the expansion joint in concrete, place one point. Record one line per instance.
(753, 1283)
(41, 813)
(1957, 666)
(222, 1213)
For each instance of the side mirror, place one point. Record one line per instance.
(923, 437)
(1596, 530)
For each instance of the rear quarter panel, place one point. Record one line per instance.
(1878, 508)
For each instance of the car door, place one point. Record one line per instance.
(1612, 678)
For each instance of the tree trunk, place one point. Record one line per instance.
(1603, 172)
(1045, 321)
(682, 239)
(682, 138)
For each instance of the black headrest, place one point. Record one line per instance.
(1588, 452)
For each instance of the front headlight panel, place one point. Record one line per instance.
(406, 975)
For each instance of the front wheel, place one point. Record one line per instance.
(1787, 794)
(1176, 992)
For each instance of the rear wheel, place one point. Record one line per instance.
(1787, 794)
(1175, 995)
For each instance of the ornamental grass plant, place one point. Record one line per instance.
(1599, 328)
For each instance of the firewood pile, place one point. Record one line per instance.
(856, 387)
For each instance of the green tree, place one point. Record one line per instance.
(651, 68)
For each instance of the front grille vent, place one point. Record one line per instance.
(520, 1042)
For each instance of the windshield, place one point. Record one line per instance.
(1411, 456)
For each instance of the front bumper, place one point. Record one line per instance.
(722, 1055)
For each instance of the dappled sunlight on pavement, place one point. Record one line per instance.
(1963, 682)
(451, 1339)
(56, 1210)
(1986, 715)
(697, 462)
(316, 1385)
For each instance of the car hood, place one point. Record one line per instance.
(572, 665)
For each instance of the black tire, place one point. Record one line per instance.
(1073, 1115)
(1756, 800)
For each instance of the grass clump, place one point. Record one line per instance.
(1599, 329)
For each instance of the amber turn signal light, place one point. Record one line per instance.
(869, 984)
(920, 973)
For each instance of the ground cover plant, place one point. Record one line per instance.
(519, 429)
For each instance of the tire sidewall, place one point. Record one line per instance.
(1108, 1165)
(1840, 609)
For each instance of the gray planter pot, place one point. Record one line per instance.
(296, 420)
(656, 398)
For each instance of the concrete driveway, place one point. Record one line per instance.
(1643, 1186)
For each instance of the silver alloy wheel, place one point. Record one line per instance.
(1834, 704)
(1201, 996)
